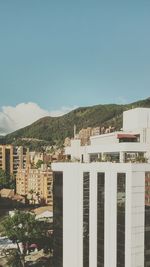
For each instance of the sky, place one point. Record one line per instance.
(58, 55)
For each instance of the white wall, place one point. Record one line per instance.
(137, 118)
(125, 147)
(103, 139)
(74, 149)
(72, 214)
(135, 208)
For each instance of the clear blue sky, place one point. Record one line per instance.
(69, 52)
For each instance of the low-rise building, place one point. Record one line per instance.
(7, 193)
(43, 213)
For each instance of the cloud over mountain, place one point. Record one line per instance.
(23, 114)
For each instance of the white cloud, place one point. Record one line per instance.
(14, 118)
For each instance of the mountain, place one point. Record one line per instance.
(54, 129)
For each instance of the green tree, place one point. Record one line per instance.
(39, 163)
(24, 228)
(13, 260)
(4, 179)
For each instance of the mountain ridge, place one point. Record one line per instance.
(54, 129)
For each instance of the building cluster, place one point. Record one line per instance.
(101, 198)
(51, 154)
(132, 144)
(34, 182)
(85, 134)
(12, 158)
(100, 193)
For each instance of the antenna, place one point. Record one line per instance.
(75, 128)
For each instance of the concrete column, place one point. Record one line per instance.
(135, 219)
(99, 156)
(110, 217)
(122, 157)
(93, 219)
(102, 156)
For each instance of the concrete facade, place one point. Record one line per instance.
(73, 212)
(38, 181)
(12, 158)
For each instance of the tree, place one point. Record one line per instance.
(24, 228)
(6, 180)
(13, 259)
(39, 163)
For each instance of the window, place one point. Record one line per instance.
(121, 194)
(147, 220)
(86, 202)
(100, 218)
(58, 218)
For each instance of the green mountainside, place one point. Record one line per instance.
(53, 130)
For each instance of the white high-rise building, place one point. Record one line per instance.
(102, 199)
